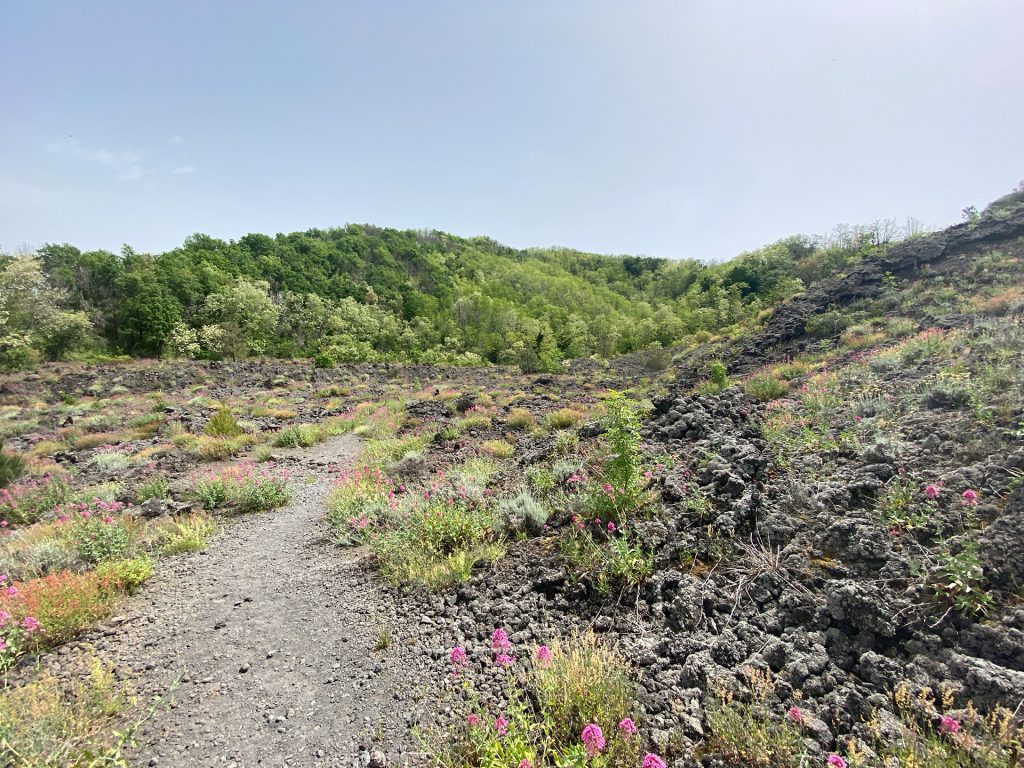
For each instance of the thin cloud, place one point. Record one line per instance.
(183, 170)
(175, 140)
(125, 163)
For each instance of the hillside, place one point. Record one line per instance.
(363, 293)
(799, 542)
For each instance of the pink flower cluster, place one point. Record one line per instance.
(502, 648)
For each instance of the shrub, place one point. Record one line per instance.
(65, 603)
(564, 418)
(223, 424)
(765, 387)
(438, 544)
(717, 374)
(521, 419)
(522, 512)
(747, 732)
(298, 436)
(100, 539)
(130, 574)
(154, 488)
(110, 461)
(361, 500)
(243, 488)
(11, 466)
(189, 534)
(570, 706)
(499, 449)
(618, 561)
(620, 489)
(27, 501)
(585, 682)
(48, 722)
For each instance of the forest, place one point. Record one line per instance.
(364, 293)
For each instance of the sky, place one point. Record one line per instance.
(677, 129)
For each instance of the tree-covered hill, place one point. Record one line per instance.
(362, 292)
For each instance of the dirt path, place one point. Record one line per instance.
(274, 634)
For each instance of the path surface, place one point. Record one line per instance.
(273, 632)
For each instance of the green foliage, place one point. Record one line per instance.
(298, 436)
(11, 466)
(98, 541)
(620, 490)
(563, 418)
(154, 488)
(189, 534)
(50, 722)
(579, 682)
(746, 732)
(438, 544)
(223, 424)
(960, 579)
(765, 387)
(130, 574)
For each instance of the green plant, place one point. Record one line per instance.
(189, 534)
(765, 387)
(64, 603)
(521, 419)
(717, 375)
(621, 489)
(99, 540)
(129, 573)
(243, 488)
(298, 436)
(564, 418)
(154, 488)
(438, 544)
(746, 731)
(961, 579)
(522, 512)
(223, 424)
(11, 466)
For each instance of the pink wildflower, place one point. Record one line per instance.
(500, 641)
(651, 760)
(795, 715)
(11, 591)
(543, 656)
(970, 498)
(611, 526)
(473, 720)
(627, 728)
(501, 725)
(525, 763)
(458, 657)
(505, 660)
(4, 618)
(31, 624)
(932, 492)
(835, 761)
(593, 739)
(949, 725)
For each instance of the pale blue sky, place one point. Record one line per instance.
(678, 129)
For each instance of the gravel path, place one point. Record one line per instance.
(274, 635)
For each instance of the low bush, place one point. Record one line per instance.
(564, 418)
(65, 603)
(499, 449)
(522, 512)
(47, 722)
(438, 543)
(361, 501)
(568, 704)
(27, 501)
(298, 436)
(11, 466)
(188, 534)
(765, 387)
(130, 574)
(243, 488)
(155, 487)
(223, 424)
(521, 419)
